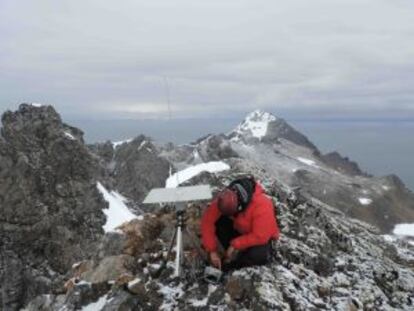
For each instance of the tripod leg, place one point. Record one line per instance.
(179, 250)
(165, 260)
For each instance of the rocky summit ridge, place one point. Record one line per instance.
(55, 254)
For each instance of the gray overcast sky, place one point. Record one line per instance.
(107, 59)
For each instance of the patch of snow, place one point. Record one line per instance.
(76, 264)
(389, 238)
(171, 294)
(365, 201)
(386, 188)
(182, 176)
(118, 212)
(142, 145)
(134, 282)
(199, 303)
(196, 154)
(257, 123)
(96, 306)
(37, 105)
(116, 144)
(70, 136)
(404, 229)
(306, 161)
(83, 282)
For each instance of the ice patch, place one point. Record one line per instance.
(70, 136)
(182, 176)
(118, 212)
(365, 201)
(116, 144)
(404, 229)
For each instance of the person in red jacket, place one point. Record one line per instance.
(242, 219)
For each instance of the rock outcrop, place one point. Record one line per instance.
(133, 167)
(50, 209)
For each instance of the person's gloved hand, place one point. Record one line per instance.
(215, 260)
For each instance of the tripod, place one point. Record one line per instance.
(180, 230)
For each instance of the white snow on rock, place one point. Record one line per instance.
(389, 238)
(70, 136)
(118, 212)
(96, 306)
(404, 229)
(306, 161)
(118, 143)
(182, 176)
(171, 294)
(365, 201)
(257, 123)
(142, 145)
(199, 303)
(37, 105)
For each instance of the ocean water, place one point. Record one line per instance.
(379, 147)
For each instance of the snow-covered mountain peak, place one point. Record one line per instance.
(260, 115)
(256, 123)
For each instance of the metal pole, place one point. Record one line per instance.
(179, 250)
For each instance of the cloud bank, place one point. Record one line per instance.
(106, 59)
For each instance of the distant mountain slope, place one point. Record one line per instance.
(289, 157)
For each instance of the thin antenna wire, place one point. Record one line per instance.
(167, 93)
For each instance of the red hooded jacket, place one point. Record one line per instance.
(256, 224)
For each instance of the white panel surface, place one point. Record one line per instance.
(180, 194)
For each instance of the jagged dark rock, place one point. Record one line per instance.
(50, 209)
(137, 168)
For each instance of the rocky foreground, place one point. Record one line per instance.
(56, 255)
(324, 261)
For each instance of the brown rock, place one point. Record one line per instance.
(141, 234)
(110, 268)
(324, 291)
(124, 279)
(137, 287)
(238, 287)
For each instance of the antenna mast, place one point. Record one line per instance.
(167, 93)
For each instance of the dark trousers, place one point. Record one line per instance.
(253, 256)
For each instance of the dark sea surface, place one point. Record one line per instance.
(379, 147)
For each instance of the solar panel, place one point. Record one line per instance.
(180, 194)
